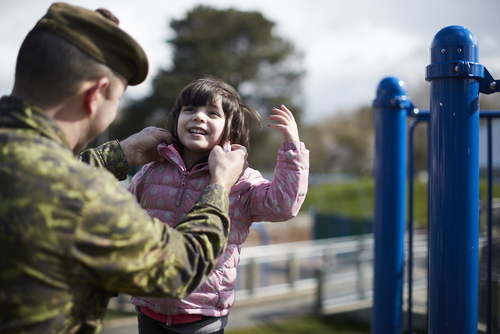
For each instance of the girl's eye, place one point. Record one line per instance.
(188, 109)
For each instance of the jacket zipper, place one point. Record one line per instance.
(180, 199)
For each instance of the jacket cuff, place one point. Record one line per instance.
(110, 156)
(293, 145)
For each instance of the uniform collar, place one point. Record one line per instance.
(19, 114)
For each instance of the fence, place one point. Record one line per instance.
(456, 79)
(340, 270)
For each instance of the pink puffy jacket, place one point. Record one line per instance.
(168, 191)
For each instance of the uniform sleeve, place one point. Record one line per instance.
(122, 249)
(110, 156)
(281, 199)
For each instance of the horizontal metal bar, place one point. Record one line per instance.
(425, 113)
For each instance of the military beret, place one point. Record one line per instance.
(99, 37)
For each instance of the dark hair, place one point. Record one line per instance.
(50, 69)
(239, 116)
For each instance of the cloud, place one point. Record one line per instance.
(346, 66)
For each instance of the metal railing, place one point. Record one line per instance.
(340, 272)
(339, 269)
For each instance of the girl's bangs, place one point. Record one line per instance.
(199, 95)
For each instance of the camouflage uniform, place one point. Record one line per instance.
(71, 236)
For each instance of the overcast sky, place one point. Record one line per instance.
(349, 46)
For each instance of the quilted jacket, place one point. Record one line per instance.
(168, 190)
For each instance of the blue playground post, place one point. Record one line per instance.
(390, 106)
(454, 181)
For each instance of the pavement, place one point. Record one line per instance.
(244, 314)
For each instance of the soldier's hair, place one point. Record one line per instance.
(239, 116)
(50, 69)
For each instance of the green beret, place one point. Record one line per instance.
(99, 37)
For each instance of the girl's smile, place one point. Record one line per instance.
(199, 129)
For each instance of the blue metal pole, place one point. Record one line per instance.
(489, 273)
(390, 168)
(410, 219)
(410, 226)
(454, 181)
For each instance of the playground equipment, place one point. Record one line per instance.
(456, 79)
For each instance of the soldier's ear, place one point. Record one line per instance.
(95, 94)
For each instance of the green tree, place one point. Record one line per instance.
(236, 46)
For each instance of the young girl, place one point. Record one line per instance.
(210, 112)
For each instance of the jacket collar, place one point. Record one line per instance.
(172, 154)
(18, 114)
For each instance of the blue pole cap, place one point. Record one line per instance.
(391, 93)
(454, 43)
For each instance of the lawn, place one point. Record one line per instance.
(355, 199)
(308, 324)
(112, 314)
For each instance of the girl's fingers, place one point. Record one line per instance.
(288, 126)
(279, 118)
(284, 110)
(277, 126)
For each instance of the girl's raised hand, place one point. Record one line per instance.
(286, 124)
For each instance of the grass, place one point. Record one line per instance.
(307, 324)
(352, 199)
(355, 199)
(310, 324)
(112, 314)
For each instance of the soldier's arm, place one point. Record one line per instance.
(138, 149)
(120, 248)
(110, 156)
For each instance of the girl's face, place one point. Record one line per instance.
(200, 128)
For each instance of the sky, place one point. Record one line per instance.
(348, 46)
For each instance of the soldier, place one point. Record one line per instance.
(70, 235)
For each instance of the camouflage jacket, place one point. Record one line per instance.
(71, 236)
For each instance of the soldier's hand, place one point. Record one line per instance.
(227, 167)
(140, 148)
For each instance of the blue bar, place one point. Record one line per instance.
(489, 113)
(424, 114)
(489, 329)
(390, 168)
(454, 183)
(410, 219)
